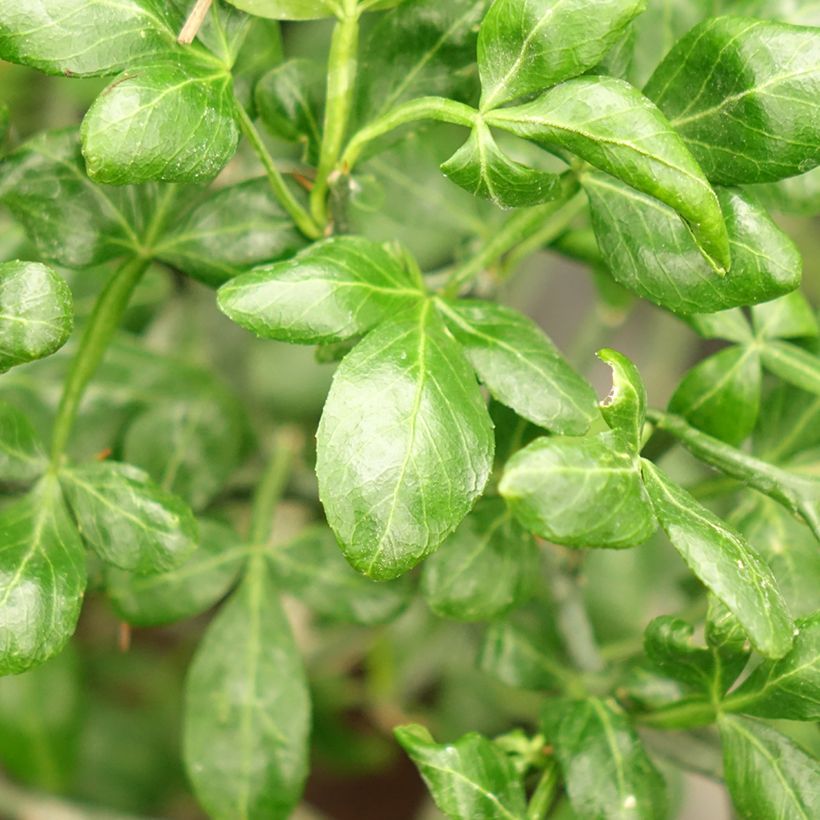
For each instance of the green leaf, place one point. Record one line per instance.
(744, 94)
(614, 127)
(289, 100)
(728, 642)
(581, 492)
(798, 195)
(193, 587)
(524, 655)
(130, 521)
(768, 775)
(606, 770)
(71, 221)
(788, 546)
(724, 562)
(792, 364)
(22, 457)
(721, 394)
(285, 9)
(171, 121)
(790, 317)
(42, 567)
(799, 12)
(668, 644)
(422, 48)
(82, 38)
(650, 250)
(229, 231)
(189, 447)
(484, 569)
(528, 45)
(729, 324)
(790, 687)
(331, 291)
(484, 170)
(36, 312)
(405, 444)
(468, 779)
(624, 409)
(521, 367)
(311, 568)
(790, 425)
(40, 714)
(247, 709)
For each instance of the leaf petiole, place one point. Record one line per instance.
(341, 84)
(547, 221)
(104, 321)
(422, 108)
(278, 185)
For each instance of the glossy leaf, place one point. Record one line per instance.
(582, 492)
(790, 317)
(229, 231)
(606, 770)
(190, 448)
(188, 590)
(171, 121)
(788, 546)
(422, 48)
(82, 38)
(721, 394)
(793, 365)
(528, 45)
(247, 710)
(624, 409)
(668, 644)
(42, 578)
(484, 569)
(36, 312)
(728, 642)
(484, 170)
(521, 367)
(312, 568)
(72, 221)
(743, 94)
(285, 9)
(469, 778)
(21, 453)
(798, 195)
(650, 250)
(729, 324)
(767, 774)
(331, 291)
(790, 687)
(129, 520)
(405, 445)
(614, 127)
(724, 562)
(289, 101)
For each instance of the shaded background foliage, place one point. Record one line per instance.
(100, 724)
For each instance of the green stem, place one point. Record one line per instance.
(105, 319)
(439, 109)
(341, 83)
(519, 227)
(544, 794)
(682, 715)
(283, 194)
(270, 488)
(797, 494)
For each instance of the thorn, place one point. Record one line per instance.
(124, 640)
(194, 22)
